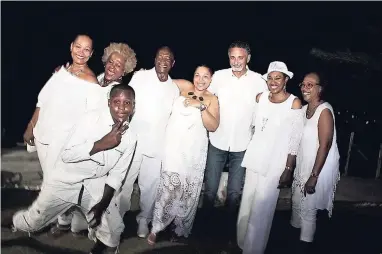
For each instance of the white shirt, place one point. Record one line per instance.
(62, 101)
(76, 167)
(154, 101)
(237, 99)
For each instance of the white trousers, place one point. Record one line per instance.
(257, 208)
(147, 170)
(304, 214)
(47, 207)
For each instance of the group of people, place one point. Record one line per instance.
(96, 135)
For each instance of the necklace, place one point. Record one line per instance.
(195, 97)
(105, 82)
(310, 111)
(75, 73)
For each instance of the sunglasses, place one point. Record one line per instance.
(307, 85)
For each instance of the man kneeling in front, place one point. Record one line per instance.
(91, 168)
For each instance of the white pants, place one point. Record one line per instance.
(257, 208)
(47, 207)
(304, 214)
(148, 170)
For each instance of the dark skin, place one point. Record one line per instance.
(311, 91)
(164, 61)
(121, 106)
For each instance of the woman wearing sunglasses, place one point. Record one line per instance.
(317, 165)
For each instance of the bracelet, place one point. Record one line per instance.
(288, 168)
(314, 175)
(202, 107)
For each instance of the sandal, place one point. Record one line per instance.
(151, 239)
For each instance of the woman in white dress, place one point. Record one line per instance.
(317, 168)
(195, 112)
(269, 159)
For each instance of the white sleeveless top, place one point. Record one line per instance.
(278, 130)
(306, 157)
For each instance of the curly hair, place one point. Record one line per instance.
(123, 49)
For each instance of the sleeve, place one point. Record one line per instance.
(134, 80)
(254, 113)
(78, 145)
(296, 131)
(45, 92)
(118, 173)
(213, 86)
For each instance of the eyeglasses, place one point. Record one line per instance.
(307, 85)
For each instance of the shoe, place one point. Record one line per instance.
(59, 230)
(143, 229)
(152, 239)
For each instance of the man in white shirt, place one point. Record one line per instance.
(155, 95)
(91, 168)
(236, 89)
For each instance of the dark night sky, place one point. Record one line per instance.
(36, 37)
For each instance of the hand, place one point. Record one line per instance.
(28, 135)
(59, 67)
(189, 102)
(97, 210)
(285, 179)
(310, 185)
(113, 138)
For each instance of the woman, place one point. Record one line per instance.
(269, 158)
(317, 168)
(195, 112)
(119, 59)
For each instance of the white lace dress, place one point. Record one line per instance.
(306, 157)
(185, 154)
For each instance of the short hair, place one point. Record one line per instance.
(167, 49)
(121, 87)
(123, 49)
(205, 66)
(322, 82)
(240, 44)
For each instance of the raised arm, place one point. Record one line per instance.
(211, 115)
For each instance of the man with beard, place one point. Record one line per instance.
(155, 95)
(236, 89)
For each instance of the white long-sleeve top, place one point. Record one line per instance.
(154, 101)
(76, 167)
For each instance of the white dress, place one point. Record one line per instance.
(329, 175)
(185, 154)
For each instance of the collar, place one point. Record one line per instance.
(245, 74)
(100, 81)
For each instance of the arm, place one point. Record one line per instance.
(294, 142)
(297, 128)
(113, 183)
(255, 109)
(28, 134)
(325, 138)
(211, 115)
(183, 85)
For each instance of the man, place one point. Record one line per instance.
(236, 89)
(95, 155)
(156, 93)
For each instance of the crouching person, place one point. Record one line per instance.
(91, 168)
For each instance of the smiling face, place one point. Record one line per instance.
(238, 59)
(81, 49)
(114, 67)
(121, 104)
(164, 61)
(276, 82)
(202, 78)
(310, 87)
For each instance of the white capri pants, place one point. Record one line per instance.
(47, 207)
(304, 214)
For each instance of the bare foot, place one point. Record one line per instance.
(151, 239)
